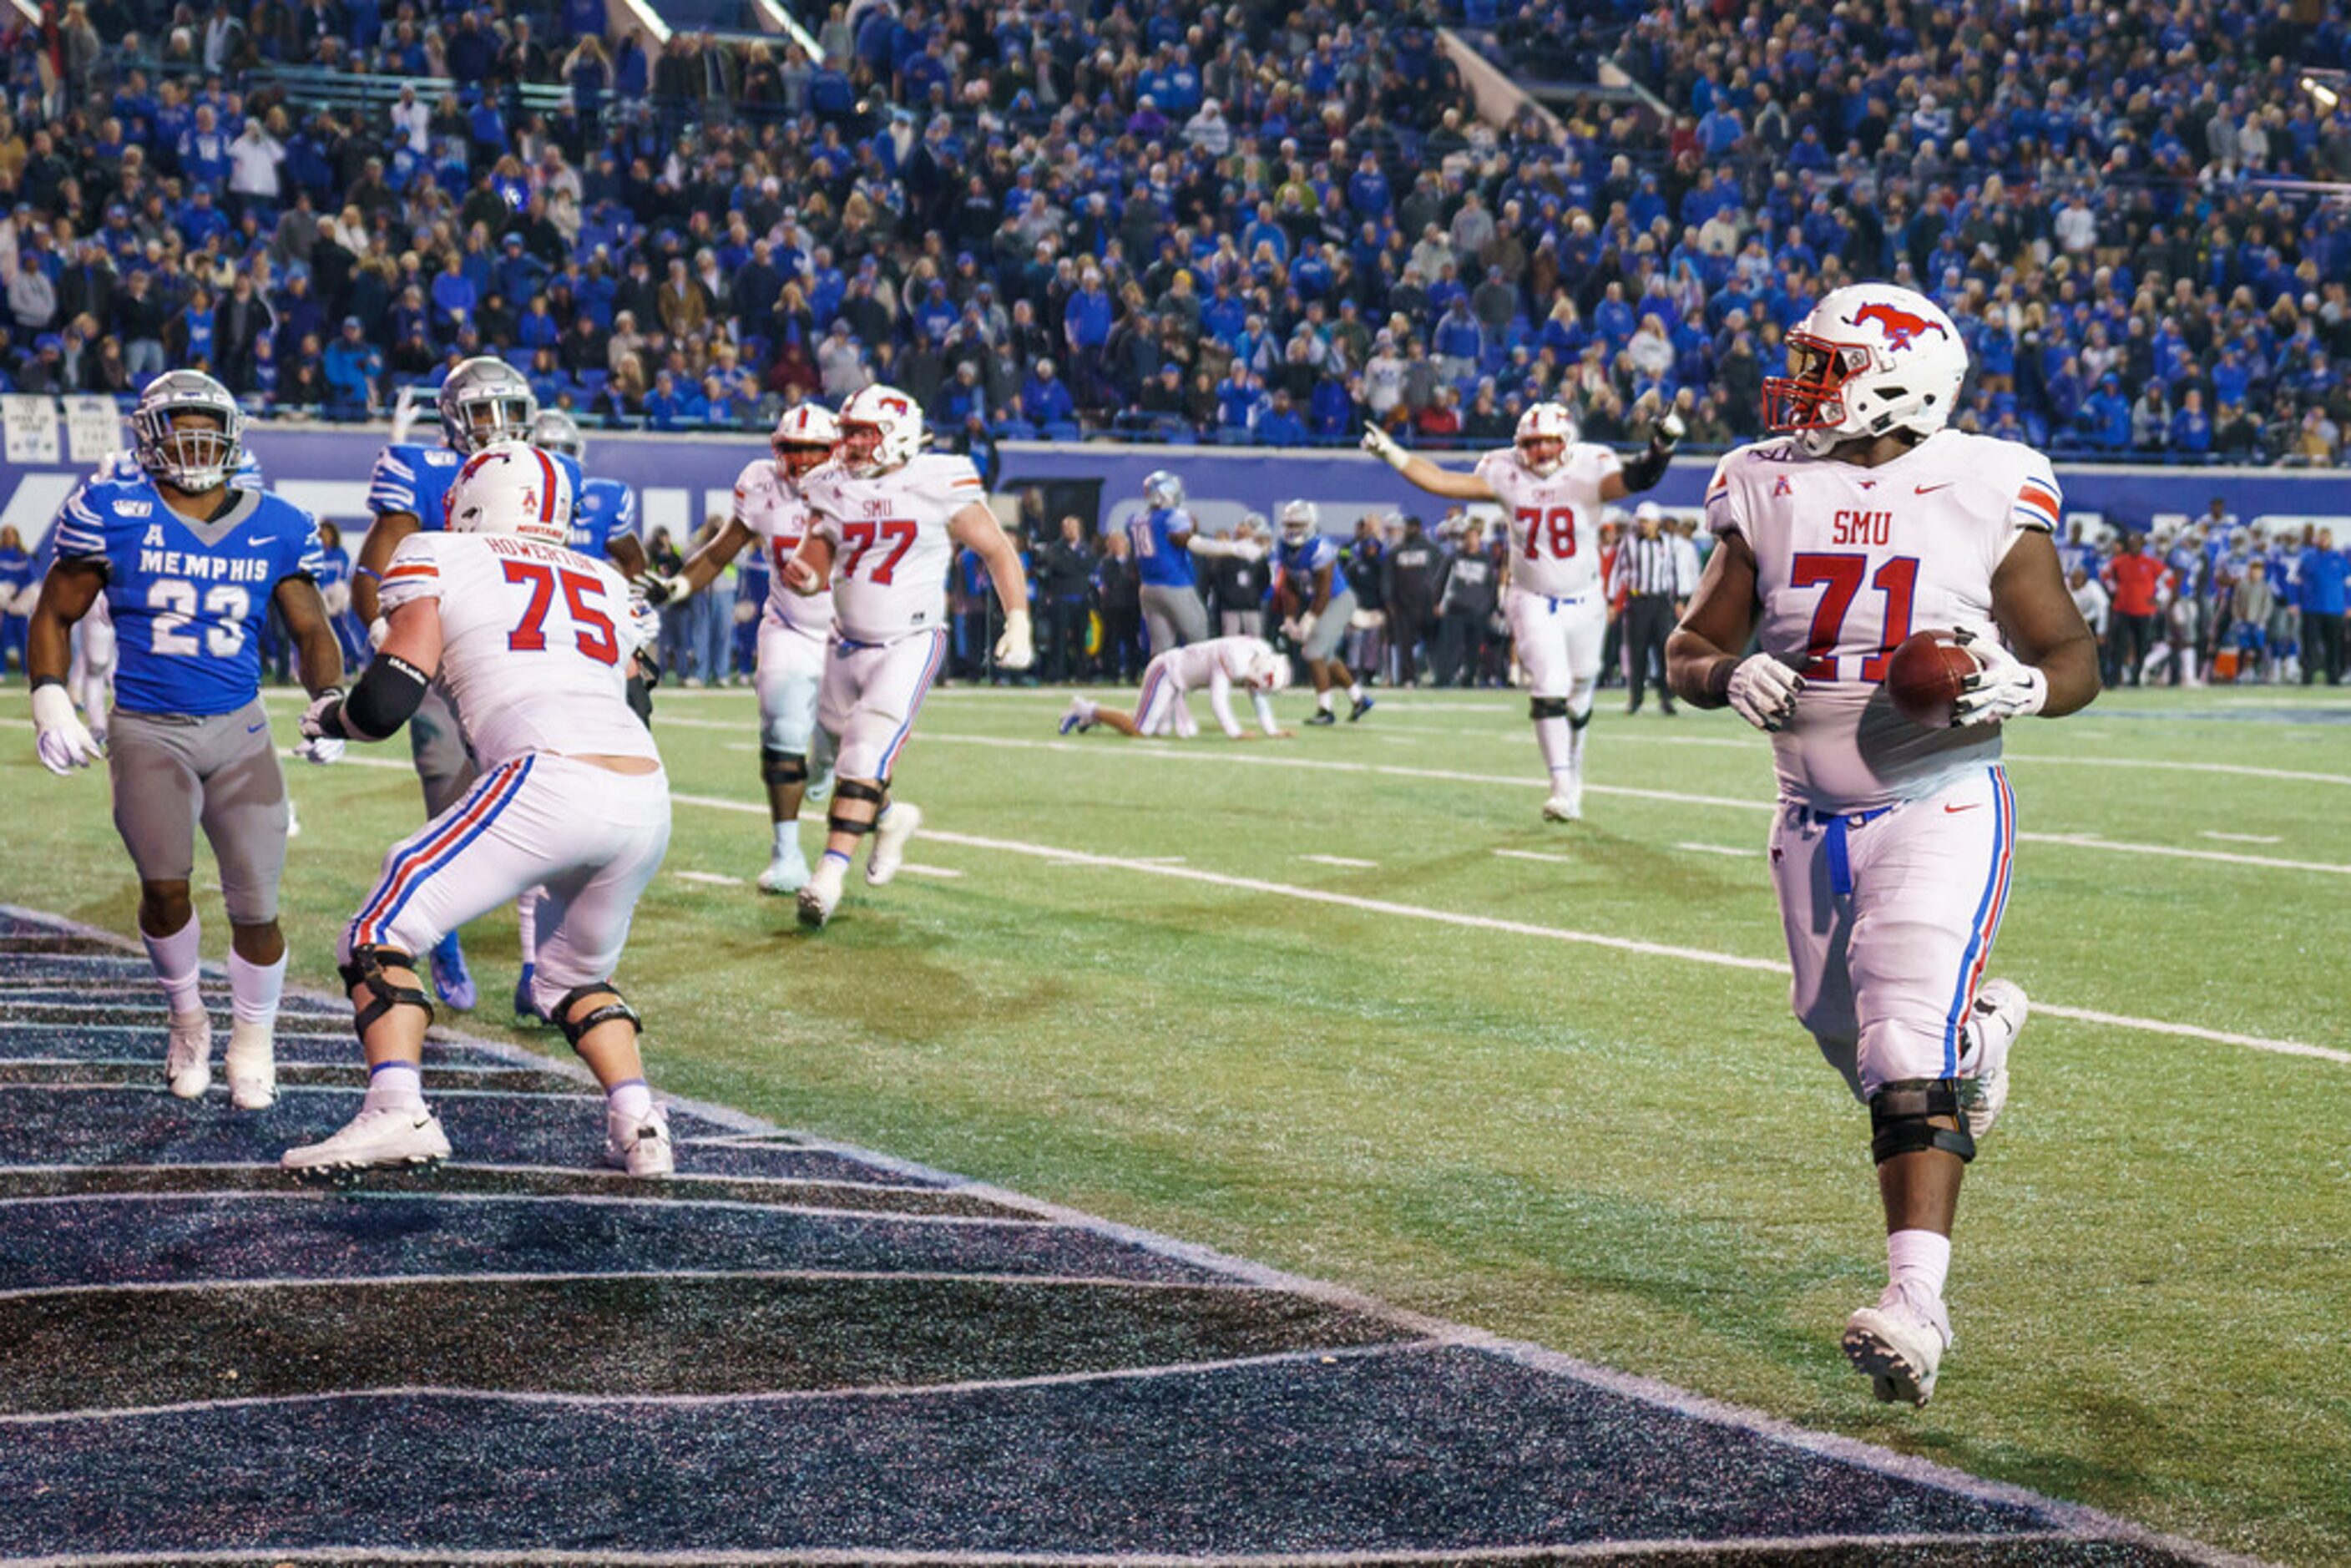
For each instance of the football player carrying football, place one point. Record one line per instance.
(1862, 519)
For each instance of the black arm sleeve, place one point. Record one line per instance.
(1643, 472)
(384, 699)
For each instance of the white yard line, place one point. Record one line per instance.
(711, 878)
(1536, 855)
(2241, 838)
(937, 872)
(1343, 861)
(1717, 849)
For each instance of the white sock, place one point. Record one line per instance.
(1558, 747)
(1085, 707)
(395, 1086)
(1920, 1258)
(176, 958)
(1577, 723)
(526, 925)
(630, 1097)
(832, 856)
(1324, 698)
(1354, 691)
(787, 836)
(254, 989)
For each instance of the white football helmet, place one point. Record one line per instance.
(1300, 521)
(1868, 358)
(804, 440)
(881, 429)
(1268, 671)
(1545, 432)
(512, 487)
(557, 432)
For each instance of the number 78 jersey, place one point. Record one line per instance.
(891, 543)
(1554, 518)
(1852, 560)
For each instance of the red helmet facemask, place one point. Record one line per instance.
(799, 459)
(1812, 396)
(860, 443)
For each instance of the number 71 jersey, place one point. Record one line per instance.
(535, 643)
(1849, 562)
(1554, 517)
(890, 545)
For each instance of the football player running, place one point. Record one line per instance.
(484, 400)
(187, 563)
(1164, 708)
(1317, 577)
(533, 642)
(1864, 520)
(885, 518)
(795, 761)
(1552, 487)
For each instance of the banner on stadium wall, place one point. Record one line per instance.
(683, 480)
(94, 427)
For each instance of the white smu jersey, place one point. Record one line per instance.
(534, 643)
(1852, 560)
(891, 547)
(765, 505)
(1554, 518)
(1198, 666)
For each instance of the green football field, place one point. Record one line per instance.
(1346, 1006)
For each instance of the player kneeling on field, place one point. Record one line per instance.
(533, 640)
(1219, 664)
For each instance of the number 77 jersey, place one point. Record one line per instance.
(891, 543)
(1850, 561)
(1554, 517)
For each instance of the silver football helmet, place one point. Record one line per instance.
(188, 455)
(483, 400)
(557, 432)
(1161, 488)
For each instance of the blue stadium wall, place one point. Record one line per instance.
(681, 479)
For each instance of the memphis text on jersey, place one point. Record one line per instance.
(156, 561)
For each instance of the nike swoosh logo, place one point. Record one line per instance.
(1950, 809)
(1931, 489)
(257, 728)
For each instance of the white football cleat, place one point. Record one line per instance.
(890, 835)
(1566, 805)
(788, 871)
(410, 1137)
(1898, 1345)
(2000, 1009)
(821, 896)
(188, 1059)
(640, 1145)
(252, 1063)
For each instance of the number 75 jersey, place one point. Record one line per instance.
(1852, 560)
(891, 544)
(1554, 517)
(187, 597)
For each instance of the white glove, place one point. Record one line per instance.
(659, 590)
(64, 742)
(1017, 649)
(2006, 687)
(403, 415)
(1763, 691)
(1249, 549)
(320, 749)
(1305, 624)
(1671, 429)
(1382, 445)
(313, 724)
(336, 597)
(378, 630)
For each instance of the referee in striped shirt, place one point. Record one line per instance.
(1652, 567)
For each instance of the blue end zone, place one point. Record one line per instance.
(878, 1387)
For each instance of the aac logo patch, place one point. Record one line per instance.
(134, 508)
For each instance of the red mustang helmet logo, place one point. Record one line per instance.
(1900, 327)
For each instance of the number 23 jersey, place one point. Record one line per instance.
(1852, 560)
(186, 596)
(534, 643)
(891, 544)
(1554, 518)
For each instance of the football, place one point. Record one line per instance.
(1927, 674)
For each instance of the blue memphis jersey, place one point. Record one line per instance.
(1303, 560)
(606, 510)
(1160, 561)
(412, 477)
(187, 598)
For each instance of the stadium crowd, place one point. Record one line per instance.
(1252, 225)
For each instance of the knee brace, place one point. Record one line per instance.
(365, 972)
(616, 1008)
(1542, 708)
(782, 768)
(1578, 720)
(845, 790)
(1900, 1119)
